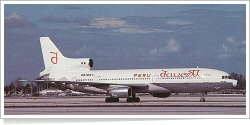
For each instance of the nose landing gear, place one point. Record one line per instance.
(203, 98)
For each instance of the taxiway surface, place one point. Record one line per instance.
(173, 105)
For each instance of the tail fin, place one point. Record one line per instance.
(51, 54)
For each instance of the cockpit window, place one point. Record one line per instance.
(227, 77)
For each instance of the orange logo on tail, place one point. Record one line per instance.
(54, 59)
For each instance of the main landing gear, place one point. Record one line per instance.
(133, 98)
(129, 99)
(112, 99)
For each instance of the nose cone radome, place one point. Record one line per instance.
(235, 82)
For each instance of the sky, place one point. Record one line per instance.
(126, 36)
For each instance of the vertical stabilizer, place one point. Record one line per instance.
(51, 54)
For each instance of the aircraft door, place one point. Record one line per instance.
(74, 79)
(96, 78)
(206, 77)
(154, 79)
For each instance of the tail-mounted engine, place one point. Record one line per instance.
(79, 63)
(88, 63)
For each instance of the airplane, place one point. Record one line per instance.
(77, 75)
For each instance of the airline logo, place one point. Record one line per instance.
(54, 58)
(190, 73)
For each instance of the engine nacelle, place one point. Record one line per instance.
(121, 92)
(82, 62)
(160, 95)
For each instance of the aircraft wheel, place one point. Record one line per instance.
(202, 100)
(129, 99)
(107, 100)
(137, 99)
(116, 99)
(111, 99)
(203, 97)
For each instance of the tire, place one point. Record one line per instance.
(136, 99)
(202, 100)
(111, 99)
(107, 99)
(129, 99)
(116, 99)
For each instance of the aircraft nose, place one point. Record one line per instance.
(235, 83)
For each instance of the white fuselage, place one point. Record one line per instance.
(174, 80)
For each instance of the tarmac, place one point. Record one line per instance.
(91, 106)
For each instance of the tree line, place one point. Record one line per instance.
(241, 81)
(17, 87)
